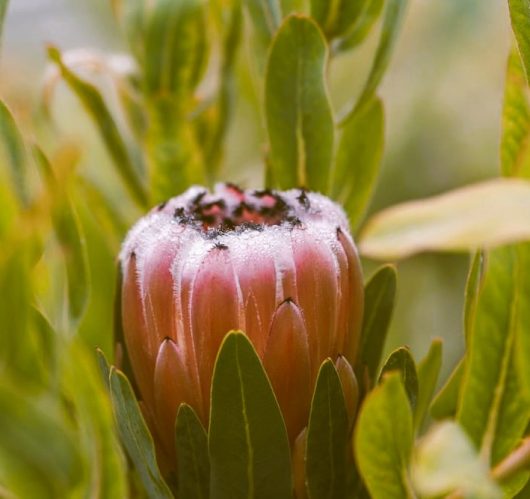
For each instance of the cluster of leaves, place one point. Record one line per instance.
(165, 129)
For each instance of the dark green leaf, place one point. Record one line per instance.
(383, 440)
(379, 296)
(492, 409)
(327, 437)
(358, 159)
(428, 372)
(249, 449)
(445, 404)
(15, 149)
(363, 26)
(335, 17)
(299, 119)
(135, 436)
(515, 140)
(104, 366)
(394, 14)
(92, 100)
(401, 360)
(71, 239)
(520, 16)
(192, 451)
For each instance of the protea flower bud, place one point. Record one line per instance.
(280, 266)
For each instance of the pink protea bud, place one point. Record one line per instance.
(280, 266)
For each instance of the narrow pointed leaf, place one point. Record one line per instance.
(136, 437)
(428, 372)
(515, 140)
(379, 296)
(520, 17)
(72, 240)
(192, 451)
(383, 440)
(299, 118)
(522, 338)
(92, 100)
(474, 281)
(393, 18)
(327, 437)
(401, 360)
(445, 403)
(248, 445)
(483, 215)
(492, 409)
(3, 9)
(358, 160)
(15, 149)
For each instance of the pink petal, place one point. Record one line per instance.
(286, 361)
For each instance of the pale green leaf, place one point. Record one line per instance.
(135, 436)
(299, 118)
(515, 140)
(520, 17)
(191, 444)
(428, 372)
(401, 360)
(327, 437)
(15, 149)
(379, 297)
(358, 160)
(483, 215)
(95, 105)
(383, 440)
(445, 461)
(248, 444)
(491, 407)
(266, 16)
(445, 403)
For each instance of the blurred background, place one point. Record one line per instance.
(443, 96)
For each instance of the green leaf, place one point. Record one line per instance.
(266, 16)
(249, 449)
(522, 340)
(106, 467)
(383, 440)
(176, 33)
(428, 372)
(515, 140)
(3, 9)
(299, 118)
(192, 451)
(445, 404)
(445, 461)
(72, 241)
(520, 17)
(15, 148)
(491, 408)
(483, 215)
(394, 14)
(474, 281)
(335, 17)
(327, 437)
(359, 31)
(93, 102)
(358, 160)
(401, 360)
(135, 436)
(379, 297)
(35, 437)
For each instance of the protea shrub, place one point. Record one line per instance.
(279, 266)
